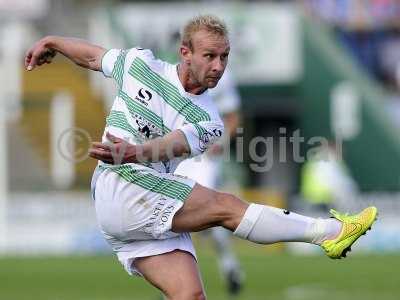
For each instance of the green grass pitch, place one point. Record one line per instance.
(268, 276)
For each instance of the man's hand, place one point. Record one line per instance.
(79, 51)
(117, 151)
(39, 54)
(215, 150)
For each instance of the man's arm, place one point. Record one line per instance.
(231, 121)
(79, 51)
(163, 148)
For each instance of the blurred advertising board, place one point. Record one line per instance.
(265, 37)
(23, 8)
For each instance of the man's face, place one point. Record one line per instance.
(208, 59)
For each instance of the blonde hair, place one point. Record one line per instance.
(208, 23)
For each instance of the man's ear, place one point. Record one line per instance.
(186, 54)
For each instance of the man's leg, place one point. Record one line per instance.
(228, 263)
(208, 170)
(263, 224)
(174, 273)
(206, 208)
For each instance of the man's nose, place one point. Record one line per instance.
(218, 66)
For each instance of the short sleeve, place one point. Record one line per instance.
(109, 60)
(201, 136)
(116, 62)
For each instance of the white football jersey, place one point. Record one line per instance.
(225, 95)
(152, 102)
(208, 169)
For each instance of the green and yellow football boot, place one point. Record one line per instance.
(353, 227)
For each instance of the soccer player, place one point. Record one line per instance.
(208, 168)
(162, 114)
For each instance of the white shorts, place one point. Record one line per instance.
(202, 169)
(135, 206)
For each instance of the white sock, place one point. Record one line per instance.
(267, 225)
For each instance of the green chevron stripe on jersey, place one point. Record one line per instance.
(118, 119)
(167, 187)
(136, 108)
(191, 112)
(200, 130)
(118, 70)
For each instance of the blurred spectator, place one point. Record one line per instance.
(370, 31)
(389, 57)
(357, 15)
(326, 181)
(364, 27)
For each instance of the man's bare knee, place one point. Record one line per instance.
(207, 208)
(231, 209)
(197, 294)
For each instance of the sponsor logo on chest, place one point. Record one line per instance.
(144, 96)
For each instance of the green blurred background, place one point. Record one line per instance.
(269, 275)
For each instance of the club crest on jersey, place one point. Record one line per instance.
(205, 140)
(208, 137)
(144, 96)
(148, 130)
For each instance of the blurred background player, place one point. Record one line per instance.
(207, 170)
(326, 181)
